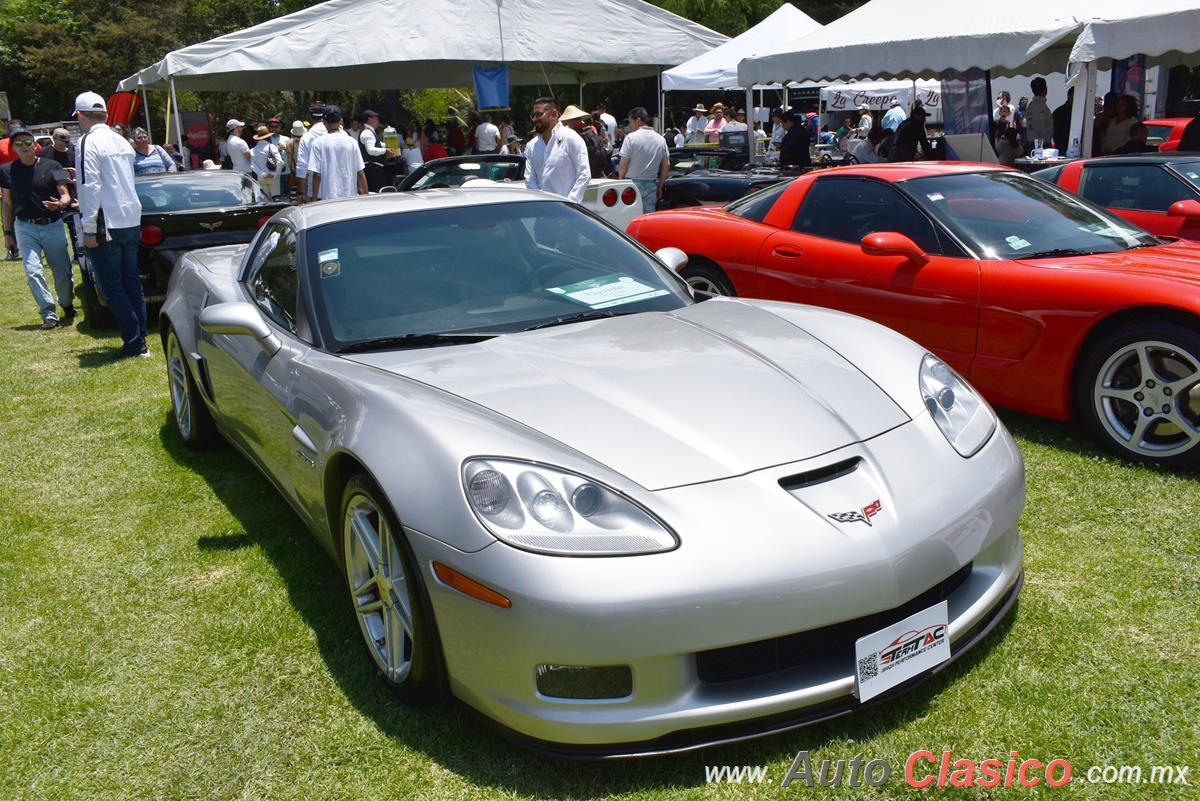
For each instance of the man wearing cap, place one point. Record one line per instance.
(557, 158)
(864, 122)
(238, 147)
(374, 154)
(61, 150)
(303, 179)
(487, 136)
(110, 216)
(335, 162)
(35, 195)
(7, 155)
(910, 134)
(696, 125)
(645, 159)
(894, 116)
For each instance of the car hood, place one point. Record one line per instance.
(711, 391)
(1178, 261)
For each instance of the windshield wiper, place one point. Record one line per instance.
(414, 341)
(1043, 254)
(575, 318)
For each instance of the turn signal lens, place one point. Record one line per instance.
(628, 196)
(452, 578)
(610, 197)
(263, 220)
(152, 235)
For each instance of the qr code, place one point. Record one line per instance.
(868, 667)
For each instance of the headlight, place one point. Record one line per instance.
(547, 510)
(962, 415)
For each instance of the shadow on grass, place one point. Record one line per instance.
(451, 735)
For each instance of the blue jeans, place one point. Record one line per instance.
(114, 264)
(32, 242)
(649, 190)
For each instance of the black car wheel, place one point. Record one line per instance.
(1139, 391)
(97, 314)
(192, 417)
(708, 278)
(389, 598)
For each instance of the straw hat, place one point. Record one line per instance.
(573, 112)
(700, 107)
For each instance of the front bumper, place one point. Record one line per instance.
(755, 563)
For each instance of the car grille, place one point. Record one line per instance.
(807, 648)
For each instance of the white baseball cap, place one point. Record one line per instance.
(229, 126)
(90, 101)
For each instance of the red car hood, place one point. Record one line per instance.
(1178, 261)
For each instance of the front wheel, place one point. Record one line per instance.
(708, 278)
(192, 417)
(387, 594)
(1139, 392)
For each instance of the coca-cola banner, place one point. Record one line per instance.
(197, 134)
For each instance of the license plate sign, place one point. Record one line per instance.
(894, 655)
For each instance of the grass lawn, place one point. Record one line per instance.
(168, 629)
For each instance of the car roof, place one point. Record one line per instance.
(323, 212)
(915, 169)
(1142, 158)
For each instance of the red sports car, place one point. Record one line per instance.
(1048, 304)
(1167, 132)
(1159, 192)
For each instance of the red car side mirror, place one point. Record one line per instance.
(890, 243)
(1184, 208)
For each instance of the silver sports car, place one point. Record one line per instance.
(608, 514)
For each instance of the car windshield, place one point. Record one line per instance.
(1157, 134)
(1188, 171)
(1002, 214)
(203, 191)
(756, 205)
(478, 270)
(458, 173)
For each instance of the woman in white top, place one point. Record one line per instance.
(260, 159)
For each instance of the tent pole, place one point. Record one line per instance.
(662, 106)
(146, 108)
(178, 124)
(1089, 103)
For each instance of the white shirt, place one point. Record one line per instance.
(610, 122)
(864, 151)
(370, 141)
(732, 126)
(487, 136)
(680, 140)
(258, 157)
(305, 146)
(104, 171)
(412, 156)
(337, 159)
(644, 151)
(695, 129)
(239, 153)
(559, 166)
(1040, 120)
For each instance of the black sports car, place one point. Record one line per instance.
(716, 187)
(184, 211)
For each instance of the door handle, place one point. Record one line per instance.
(787, 252)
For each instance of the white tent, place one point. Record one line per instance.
(717, 69)
(1163, 28)
(404, 44)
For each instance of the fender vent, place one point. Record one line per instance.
(820, 475)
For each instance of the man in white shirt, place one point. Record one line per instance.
(696, 125)
(557, 157)
(374, 154)
(110, 218)
(335, 162)
(610, 122)
(239, 148)
(645, 159)
(864, 149)
(487, 136)
(1039, 119)
(315, 132)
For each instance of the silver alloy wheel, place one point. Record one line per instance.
(181, 399)
(379, 587)
(705, 284)
(1147, 398)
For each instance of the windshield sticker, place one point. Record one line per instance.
(609, 290)
(936, 196)
(1016, 242)
(328, 260)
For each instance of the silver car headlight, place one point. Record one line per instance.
(544, 509)
(961, 414)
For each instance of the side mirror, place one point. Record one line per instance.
(240, 319)
(1184, 208)
(890, 243)
(672, 258)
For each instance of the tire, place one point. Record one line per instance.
(396, 624)
(94, 310)
(1139, 392)
(193, 420)
(708, 278)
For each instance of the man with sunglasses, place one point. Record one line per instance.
(557, 158)
(35, 196)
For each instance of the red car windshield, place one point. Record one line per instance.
(1007, 215)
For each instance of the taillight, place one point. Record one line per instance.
(753, 189)
(610, 197)
(628, 196)
(263, 220)
(152, 235)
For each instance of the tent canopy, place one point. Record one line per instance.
(404, 44)
(1154, 27)
(717, 69)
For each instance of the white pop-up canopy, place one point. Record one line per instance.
(405, 44)
(717, 69)
(1153, 27)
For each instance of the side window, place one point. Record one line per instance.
(848, 209)
(273, 278)
(1140, 187)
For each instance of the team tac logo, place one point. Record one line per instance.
(863, 515)
(911, 642)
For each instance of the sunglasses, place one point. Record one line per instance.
(537, 115)
(22, 142)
